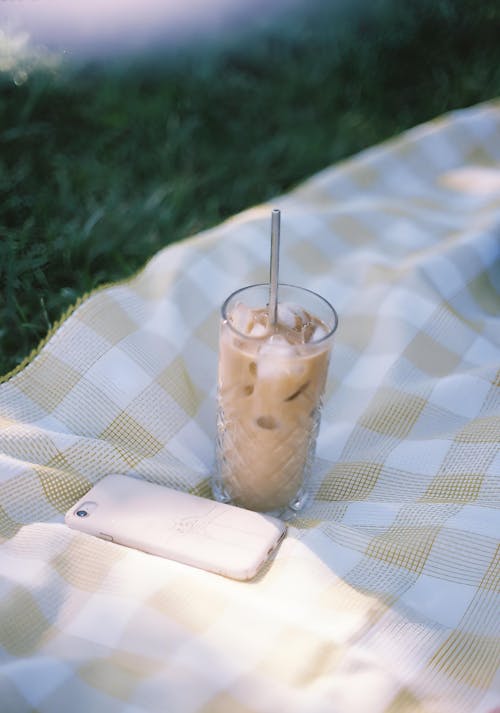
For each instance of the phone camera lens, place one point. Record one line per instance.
(81, 513)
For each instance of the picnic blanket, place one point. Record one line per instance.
(383, 597)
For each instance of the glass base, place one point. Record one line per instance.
(286, 489)
(288, 512)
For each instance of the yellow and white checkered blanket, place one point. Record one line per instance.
(383, 597)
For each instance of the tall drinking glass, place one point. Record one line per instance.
(271, 382)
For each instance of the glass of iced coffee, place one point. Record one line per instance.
(271, 381)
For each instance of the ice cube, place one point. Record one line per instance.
(241, 318)
(276, 358)
(277, 343)
(257, 330)
(319, 333)
(292, 315)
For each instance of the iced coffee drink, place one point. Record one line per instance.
(270, 386)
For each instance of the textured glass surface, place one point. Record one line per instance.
(287, 469)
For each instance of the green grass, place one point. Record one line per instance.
(102, 165)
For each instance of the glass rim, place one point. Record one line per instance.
(225, 318)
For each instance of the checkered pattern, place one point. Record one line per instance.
(383, 599)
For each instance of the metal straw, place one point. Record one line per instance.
(274, 268)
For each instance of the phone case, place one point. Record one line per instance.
(204, 533)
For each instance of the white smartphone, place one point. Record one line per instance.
(204, 533)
